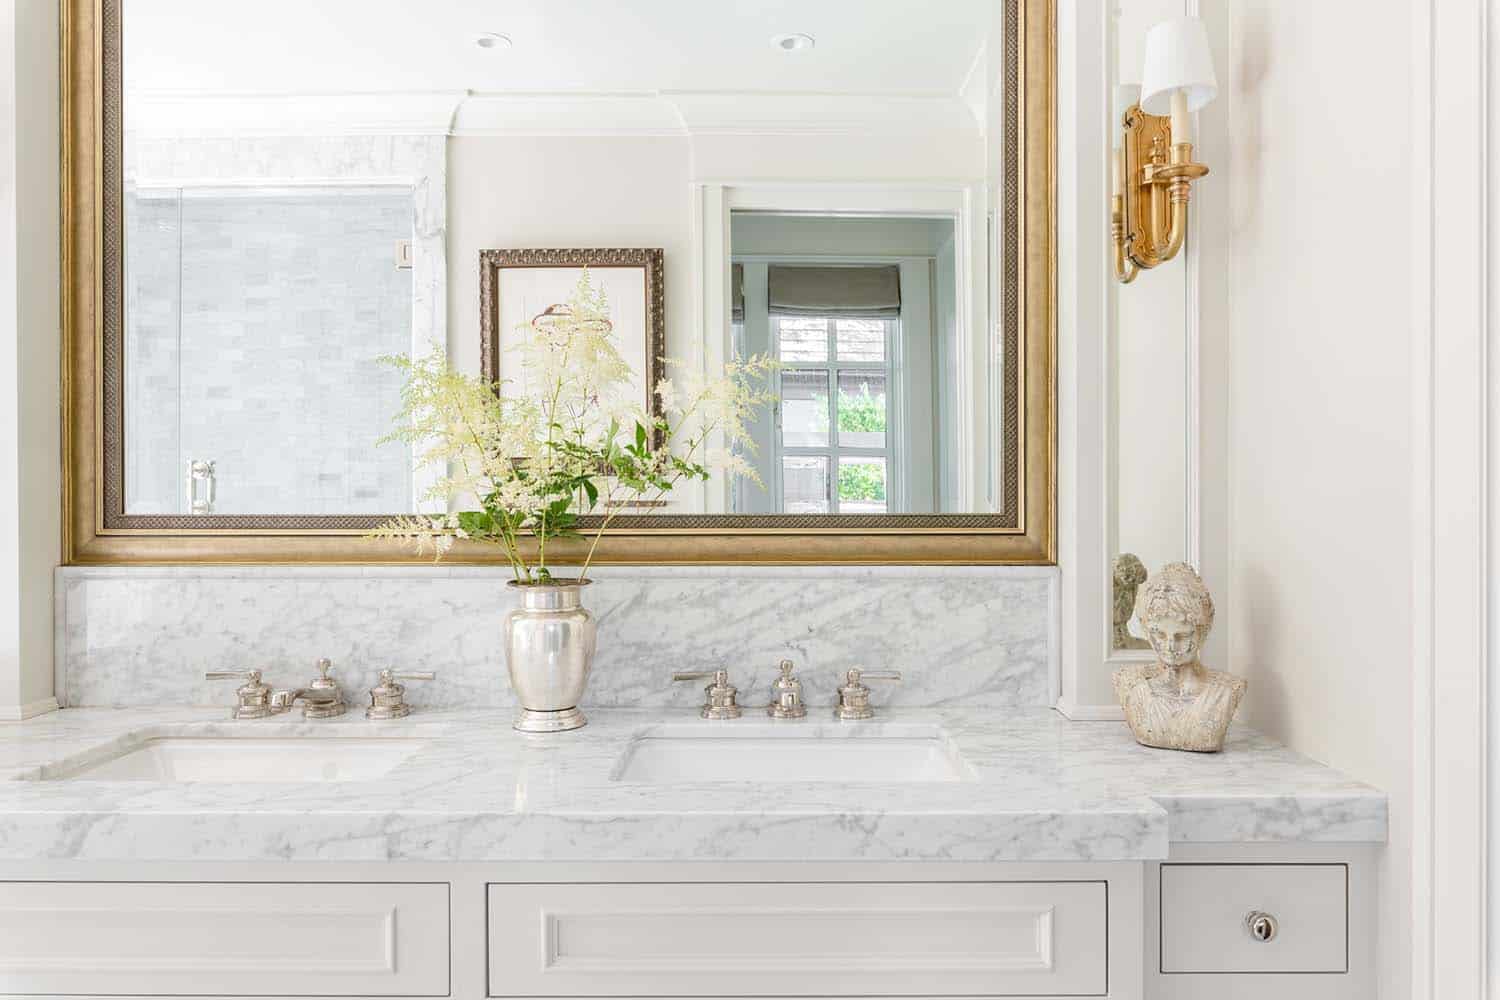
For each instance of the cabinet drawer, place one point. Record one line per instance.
(236, 938)
(824, 939)
(1204, 910)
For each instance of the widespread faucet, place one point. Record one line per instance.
(321, 698)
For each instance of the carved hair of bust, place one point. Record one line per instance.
(1176, 591)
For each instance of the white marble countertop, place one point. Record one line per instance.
(1042, 789)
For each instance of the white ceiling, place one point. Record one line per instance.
(365, 46)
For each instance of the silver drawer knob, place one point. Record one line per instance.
(1262, 926)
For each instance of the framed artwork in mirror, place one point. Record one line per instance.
(518, 286)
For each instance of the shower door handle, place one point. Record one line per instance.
(202, 486)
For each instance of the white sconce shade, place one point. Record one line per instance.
(1177, 58)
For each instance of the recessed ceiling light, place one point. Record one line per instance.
(795, 42)
(492, 40)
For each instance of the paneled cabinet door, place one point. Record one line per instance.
(163, 939)
(824, 939)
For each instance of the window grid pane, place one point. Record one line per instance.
(802, 339)
(861, 409)
(860, 340)
(804, 408)
(804, 484)
(862, 485)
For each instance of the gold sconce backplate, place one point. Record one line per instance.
(1149, 211)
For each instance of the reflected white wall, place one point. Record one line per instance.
(1148, 349)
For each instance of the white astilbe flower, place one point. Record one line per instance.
(565, 439)
(667, 393)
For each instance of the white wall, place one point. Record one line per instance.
(634, 191)
(1317, 250)
(30, 473)
(527, 192)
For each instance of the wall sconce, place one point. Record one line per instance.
(1153, 146)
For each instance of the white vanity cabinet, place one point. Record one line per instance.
(224, 938)
(1124, 930)
(799, 939)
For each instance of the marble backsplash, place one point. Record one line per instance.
(984, 636)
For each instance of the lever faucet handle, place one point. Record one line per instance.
(388, 698)
(719, 696)
(252, 699)
(232, 675)
(854, 696)
(856, 674)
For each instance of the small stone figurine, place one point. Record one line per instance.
(1177, 703)
(1130, 573)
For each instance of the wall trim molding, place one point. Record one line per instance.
(1074, 712)
(28, 710)
(1084, 295)
(1451, 402)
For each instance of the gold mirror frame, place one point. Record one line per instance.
(98, 531)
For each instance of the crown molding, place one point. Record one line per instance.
(738, 113)
(158, 114)
(553, 114)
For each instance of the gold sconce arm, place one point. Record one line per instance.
(1125, 268)
(1149, 213)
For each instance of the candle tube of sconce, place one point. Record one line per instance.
(1119, 171)
(1182, 129)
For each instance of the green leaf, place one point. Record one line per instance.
(476, 522)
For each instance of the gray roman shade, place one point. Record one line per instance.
(737, 293)
(863, 292)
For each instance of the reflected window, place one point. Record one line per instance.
(835, 412)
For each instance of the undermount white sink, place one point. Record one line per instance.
(247, 759)
(780, 753)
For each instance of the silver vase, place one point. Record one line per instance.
(549, 651)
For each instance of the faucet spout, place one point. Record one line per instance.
(322, 699)
(286, 698)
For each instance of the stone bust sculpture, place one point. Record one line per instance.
(1177, 703)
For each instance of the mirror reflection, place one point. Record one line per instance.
(1150, 373)
(805, 184)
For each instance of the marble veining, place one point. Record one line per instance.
(136, 636)
(1044, 789)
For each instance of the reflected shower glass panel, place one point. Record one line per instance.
(256, 320)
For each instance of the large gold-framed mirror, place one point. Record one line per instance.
(255, 215)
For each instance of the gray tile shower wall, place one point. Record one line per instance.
(985, 636)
